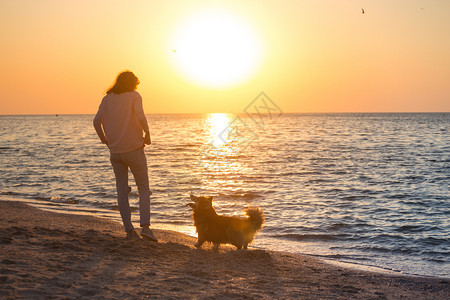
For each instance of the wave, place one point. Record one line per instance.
(178, 222)
(342, 256)
(337, 226)
(432, 241)
(312, 237)
(180, 148)
(417, 228)
(399, 196)
(303, 173)
(10, 193)
(116, 207)
(8, 150)
(64, 200)
(437, 256)
(240, 196)
(76, 162)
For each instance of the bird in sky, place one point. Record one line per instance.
(362, 11)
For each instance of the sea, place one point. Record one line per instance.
(369, 190)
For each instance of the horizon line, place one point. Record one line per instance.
(235, 113)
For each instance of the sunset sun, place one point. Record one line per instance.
(215, 49)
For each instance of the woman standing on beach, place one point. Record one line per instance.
(120, 123)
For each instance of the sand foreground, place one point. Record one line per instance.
(51, 255)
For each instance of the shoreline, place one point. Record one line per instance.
(68, 208)
(47, 254)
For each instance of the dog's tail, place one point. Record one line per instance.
(256, 216)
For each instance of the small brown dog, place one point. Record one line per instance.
(223, 229)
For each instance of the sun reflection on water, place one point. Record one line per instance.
(219, 126)
(219, 155)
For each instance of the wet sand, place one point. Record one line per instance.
(52, 255)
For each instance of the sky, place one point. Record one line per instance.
(59, 57)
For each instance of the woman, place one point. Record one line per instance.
(120, 123)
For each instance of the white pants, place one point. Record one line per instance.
(137, 162)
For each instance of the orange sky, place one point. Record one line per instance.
(58, 57)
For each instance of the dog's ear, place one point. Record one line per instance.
(193, 198)
(210, 198)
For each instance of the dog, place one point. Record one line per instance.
(217, 229)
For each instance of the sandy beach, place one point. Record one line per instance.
(52, 255)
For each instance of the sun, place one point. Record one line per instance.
(215, 49)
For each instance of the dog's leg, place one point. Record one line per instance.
(245, 246)
(216, 247)
(200, 240)
(199, 243)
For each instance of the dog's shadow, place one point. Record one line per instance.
(243, 270)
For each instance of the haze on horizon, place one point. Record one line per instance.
(59, 57)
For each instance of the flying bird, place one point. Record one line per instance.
(362, 11)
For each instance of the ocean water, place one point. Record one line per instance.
(368, 189)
